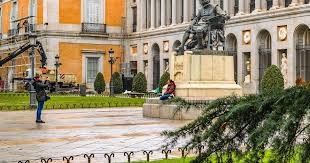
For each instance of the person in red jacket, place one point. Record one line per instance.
(170, 90)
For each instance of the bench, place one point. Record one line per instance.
(136, 94)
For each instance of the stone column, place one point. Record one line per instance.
(158, 13)
(226, 6)
(241, 7)
(275, 4)
(294, 3)
(153, 12)
(174, 12)
(258, 6)
(163, 13)
(143, 15)
(186, 11)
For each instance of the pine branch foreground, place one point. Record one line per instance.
(249, 126)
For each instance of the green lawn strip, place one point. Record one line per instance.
(268, 158)
(177, 160)
(69, 102)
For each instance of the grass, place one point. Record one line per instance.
(179, 160)
(268, 158)
(10, 102)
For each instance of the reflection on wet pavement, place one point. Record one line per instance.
(76, 132)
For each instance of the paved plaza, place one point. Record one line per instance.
(77, 132)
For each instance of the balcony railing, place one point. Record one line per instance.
(95, 28)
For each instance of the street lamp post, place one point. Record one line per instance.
(32, 39)
(111, 61)
(57, 65)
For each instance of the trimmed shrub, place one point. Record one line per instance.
(163, 80)
(272, 80)
(99, 83)
(117, 83)
(139, 83)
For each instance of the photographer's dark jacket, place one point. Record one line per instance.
(40, 90)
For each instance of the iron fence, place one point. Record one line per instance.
(96, 28)
(128, 156)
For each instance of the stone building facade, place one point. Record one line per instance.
(81, 32)
(259, 33)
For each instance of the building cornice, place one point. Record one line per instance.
(65, 34)
(159, 31)
(271, 14)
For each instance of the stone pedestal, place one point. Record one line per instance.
(204, 75)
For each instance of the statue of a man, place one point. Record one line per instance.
(210, 18)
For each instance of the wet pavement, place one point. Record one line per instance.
(78, 132)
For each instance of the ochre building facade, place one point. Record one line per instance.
(80, 32)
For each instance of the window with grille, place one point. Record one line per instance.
(222, 4)
(134, 19)
(93, 11)
(92, 69)
(236, 7)
(269, 4)
(32, 10)
(252, 5)
(13, 14)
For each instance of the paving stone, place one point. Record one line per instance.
(76, 132)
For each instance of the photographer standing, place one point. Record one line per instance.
(40, 95)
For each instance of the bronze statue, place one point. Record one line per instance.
(206, 31)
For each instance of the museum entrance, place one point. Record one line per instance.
(156, 65)
(302, 39)
(264, 52)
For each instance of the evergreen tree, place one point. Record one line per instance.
(248, 126)
(117, 83)
(139, 83)
(99, 83)
(273, 80)
(163, 80)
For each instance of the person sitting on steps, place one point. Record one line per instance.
(169, 91)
